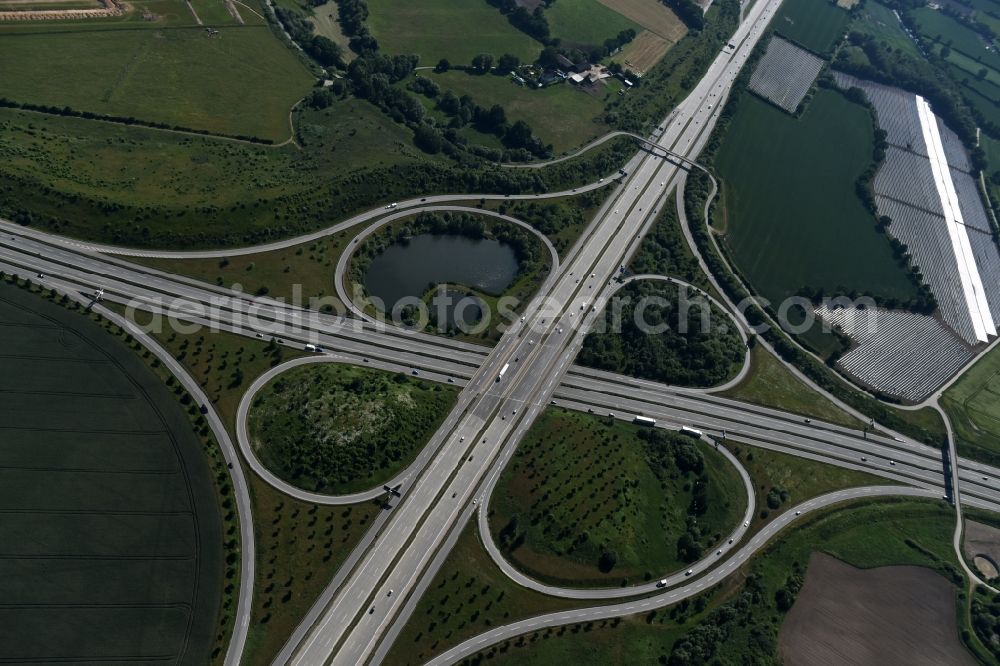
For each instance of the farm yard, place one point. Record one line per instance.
(624, 519)
(111, 518)
(788, 187)
(453, 29)
(180, 75)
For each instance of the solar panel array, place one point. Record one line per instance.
(913, 361)
(784, 74)
(891, 352)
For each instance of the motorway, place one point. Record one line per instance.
(455, 472)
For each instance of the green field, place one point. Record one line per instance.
(452, 29)
(771, 384)
(179, 76)
(338, 429)
(560, 114)
(938, 27)
(877, 20)
(586, 22)
(782, 480)
(657, 347)
(973, 406)
(792, 218)
(112, 537)
(657, 501)
(744, 629)
(815, 24)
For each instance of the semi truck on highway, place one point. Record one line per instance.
(503, 371)
(690, 432)
(645, 420)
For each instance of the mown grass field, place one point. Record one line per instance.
(973, 406)
(792, 480)
(112, 525)
(937, 26)
(560, 114)
(586, 22)
(770, 384)
(337, 429)
(741, 622)
(178, 76)
(792, 218)
(815, 24)
(452, 29)
(555, 513)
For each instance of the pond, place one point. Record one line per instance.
(409, 269)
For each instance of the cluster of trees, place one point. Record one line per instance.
(532, 23)
(703, 643)
(986, 619)
(687, 352)
(664, 251)
(352, 15)
(322, 49)
(688, 12)
(517, 136)
(777, 496)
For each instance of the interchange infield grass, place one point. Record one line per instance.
(770, 384)
(973, 406)
(111, 519)
(178, 76)
(556, 511)
(338, 429)
(791, 215)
